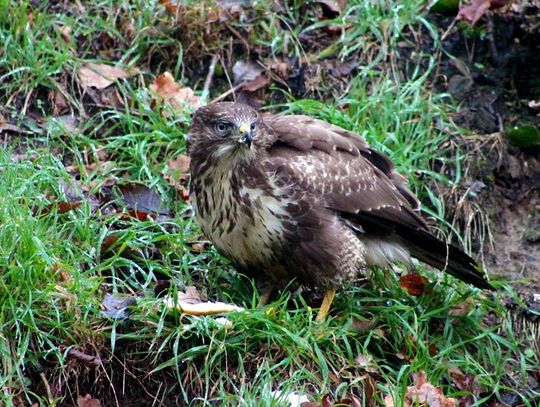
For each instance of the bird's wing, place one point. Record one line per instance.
(340, 166)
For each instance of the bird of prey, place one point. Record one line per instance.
(293, 197)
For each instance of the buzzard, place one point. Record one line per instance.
(295, 197)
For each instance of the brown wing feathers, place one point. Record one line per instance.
(377, 197)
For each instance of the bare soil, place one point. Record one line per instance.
(496, 79)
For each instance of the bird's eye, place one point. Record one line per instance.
(253, 126)
(223, 128)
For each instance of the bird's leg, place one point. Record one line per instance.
(265, 293)
(265, 289)
(326, 304)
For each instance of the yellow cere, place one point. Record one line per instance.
(244, 128)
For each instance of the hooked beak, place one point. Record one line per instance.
(245, 134)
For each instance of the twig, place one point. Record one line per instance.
(491, 40)
(47, 387)
(209, 77)
(227, 93)
(84, 358)
(449, 29)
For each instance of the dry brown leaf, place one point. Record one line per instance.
(389, 401)
(60, 206)
(475, 9)
(466, 383)
(279, 67)
(58, 102)
(332, 8)
(461, 309)
(178, 170)
(172, 93)
(364, 361)
(177, 175)
(413, 283)
(65, 32)
(100, 75)
(424, 392)
(88, 401)
(63, 275)
(259, 82)
(199, 247)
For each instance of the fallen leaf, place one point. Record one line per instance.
(259, 82)
(177, 170)
(63, 275)
(61, 207)
(199, 247)
(474, 10)
(363, 325)
(332, 8)
(108, 243)
(250, 75)
(461, 309)
(86, 359)
(87, 401)
(100, 75)
(117, 307)
(364, 361)
(292, 398)
(66, 123)
(246, 71)
(465, 383)
(11, 127)
(58, 102)
(139, 200)
(389, 401)
(172, 93)
(65, 32)
(190, 303)
(413, 283)
(280, 68)
(424, 392)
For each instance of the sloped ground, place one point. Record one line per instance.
(494, 77)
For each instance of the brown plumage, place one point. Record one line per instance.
(296, 197)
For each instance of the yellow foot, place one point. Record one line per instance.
(326, 304)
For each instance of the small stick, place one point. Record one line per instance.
(227, 93)
(491, 40)
(209, 77)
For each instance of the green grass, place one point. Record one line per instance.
(53, 272)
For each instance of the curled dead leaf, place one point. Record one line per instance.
(61, 207)
(177, 170)
(413, 283)
(461, 309)
(88, 401)
(170, 92)
(100, 75)
(424, 392)
(475, 9)
(190, 303)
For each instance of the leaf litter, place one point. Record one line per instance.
(167, 92)
(100, 76)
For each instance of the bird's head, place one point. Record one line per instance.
(225, 130)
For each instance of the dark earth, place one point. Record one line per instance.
(497, 83)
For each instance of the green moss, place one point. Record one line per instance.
(523, 136)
